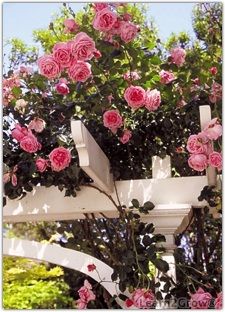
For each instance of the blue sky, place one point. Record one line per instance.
(20, 19)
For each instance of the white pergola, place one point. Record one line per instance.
(174, 198)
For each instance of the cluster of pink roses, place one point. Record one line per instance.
(86, 294)
(137, 97)
(110, 23)
(201, 148)
(71, 56)
(59, 158)
(70, 26)
(202, 299)
(141, 299)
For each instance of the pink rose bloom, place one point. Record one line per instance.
(219, 301)
(126, 136)
(86, 294)
(91, 267)
(48, 66)
(128, 31)
(41, 164)
(112, 120)
(127, 17)
(166, 77)
(70, 25)
(62, 55)
(131, 76)
(216, 92)
(60, 158)
(216, 160)
(80, 71)
(82, 47)
(11, 82)
(198, 162)
(213, 71)
(178, 56)
(18, 133)
(30, 144)
(143, 298)
(200, 300)
(195, 145)
(153, 100)
(37, 124)
(97, 54)
(61, 87)
(213, 130)
(99, 6)
(135, 96)
(104, 20)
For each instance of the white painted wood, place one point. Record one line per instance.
(161, 168)
(64, 257)
(91, 158)
(173, 198)
(205, 118)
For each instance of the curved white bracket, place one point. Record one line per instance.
(65, 257)
(91, 158)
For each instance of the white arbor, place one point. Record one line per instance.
(174, 199)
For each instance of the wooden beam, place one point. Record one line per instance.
(173, 198)
(91, 158)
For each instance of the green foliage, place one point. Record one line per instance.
(30, 285)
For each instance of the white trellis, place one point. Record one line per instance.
(174, 197)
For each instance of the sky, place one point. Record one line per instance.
(20, 19)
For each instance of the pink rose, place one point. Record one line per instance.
(97, 54)
(219, 301)
(18, 133)
(195, 145)
(104, 20)
(60, 158)
(135, 96)
(152, 100)
(82, 47)
(48, 66)
(213, 71)
(127, 17)
(86, 294)
(216, 160)
(62, 54)
(131, 76)
(70, 25)
(143, 298)
(112, 120)
(11, 82)
(30, 144)
(61, 87)
(178, 56)
(91, 267)
(99, 6)
(200, 299)
(166, 77)
(126, 136)
(37, 124)
(80, 71)
(213, 130)
(216, 92)
(198, 162)
(41, 164)
(128, 31)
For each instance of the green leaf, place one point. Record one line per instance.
(149, 205)
(135, 203)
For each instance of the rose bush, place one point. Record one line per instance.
(138, 98)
